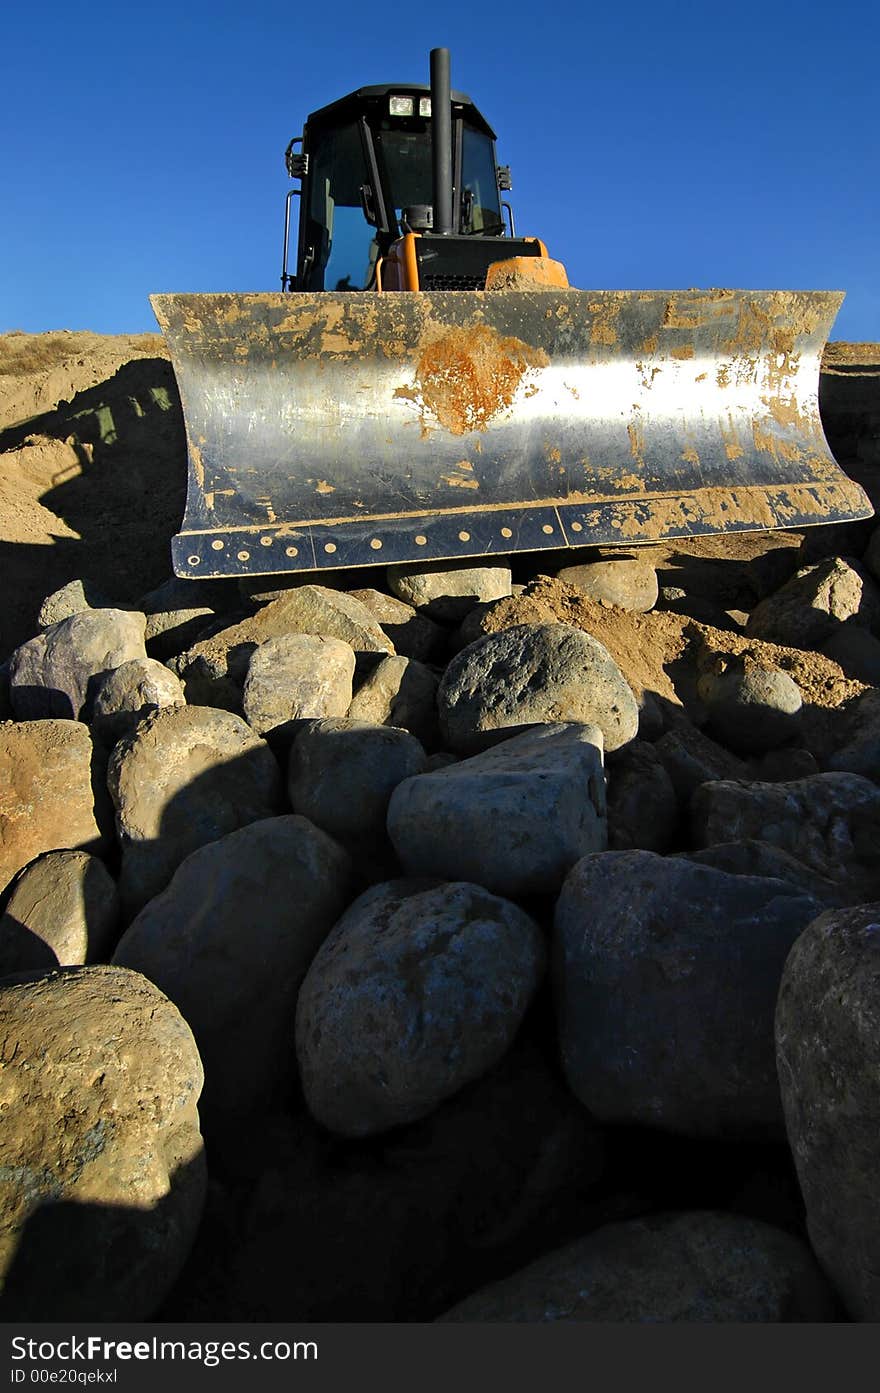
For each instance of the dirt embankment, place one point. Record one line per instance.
(92, 467)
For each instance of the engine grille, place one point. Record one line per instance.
(452, 282)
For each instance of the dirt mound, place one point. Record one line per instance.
(658, 652)
(92, 467)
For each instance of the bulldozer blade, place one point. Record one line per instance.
(344, 429)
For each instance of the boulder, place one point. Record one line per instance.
(414, 635)
(185, 777)
(445, 592)
(643, 809)
(417, 991)
(178, 611)
(229, 942)
(807, 610)
(857, 651)
(756, 858)
(666, 977)
(296, 676)
(514, 819)
(128, 693)
(532, 674)
(342, 773)
(305, 609)
(629, 583)
(57, 673)
(828, 1055)
(860, 751)
(47, 795)
(830, 821)
(690, 1266)
(72, 598)
(691, 759)
(400, 692)
(102, 1173)
(751, 706)
(400, 1227)
(63, 910)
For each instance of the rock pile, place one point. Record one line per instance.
(476, 901)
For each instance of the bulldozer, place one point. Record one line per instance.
(426, 386)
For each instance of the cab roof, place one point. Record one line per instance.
(366, 97)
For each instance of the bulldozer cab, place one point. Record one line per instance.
(468, 416)
(366, 172)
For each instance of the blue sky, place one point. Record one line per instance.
(651, 145)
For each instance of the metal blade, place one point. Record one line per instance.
(333, 429)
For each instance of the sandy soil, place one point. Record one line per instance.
(92, 468)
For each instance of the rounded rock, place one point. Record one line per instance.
(417, 991)
(534, 674)
(628, 583)
(128, 693)
(447, 592)
(63, 911)
(185, 777)
(343, 772)
(295, 676)
(102, 1174)
(666, 980)
(690, 1266)
(752, 708)
(828, 1056)
(229, 942)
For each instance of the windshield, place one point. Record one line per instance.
(480, 204)
(344, 242)
(406, 154)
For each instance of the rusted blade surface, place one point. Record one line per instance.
(344, 429)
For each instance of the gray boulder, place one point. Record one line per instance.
(756, 858)
(63, 910)
(816, 601)
(418, 1215)
(102, 1176)
(514, 819)
(691, 759)
(72, 598)
(643, 809)
(296, 676)
(400, 692)
(629, 583)
(130, 692)
(857, 651)
(532, 674)
(752, 708)
(666, 978)
(47, 793)
(860, 751)
(185, 777)
(414, 635)
(229, 942)
(828, 1054)
(446, 592)
(177, 613)
(830, 821)
(56, 673)
(417, 991)
(305, 609)
(342, 773)
(690, 1266)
